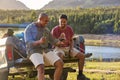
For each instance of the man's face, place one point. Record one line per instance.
(62, 23)
(44, 21)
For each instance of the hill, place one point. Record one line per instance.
(59, 4)
(12, 5)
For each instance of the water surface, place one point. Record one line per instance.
(103, 52)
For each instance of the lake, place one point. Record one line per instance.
(103, 52)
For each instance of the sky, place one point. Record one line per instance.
(35, 4)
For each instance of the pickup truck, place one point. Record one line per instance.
(13, 62)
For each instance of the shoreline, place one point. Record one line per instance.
(108, 40)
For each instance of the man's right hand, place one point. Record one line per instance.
(42, 40)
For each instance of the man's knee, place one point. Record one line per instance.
(80, 56)
(59, 63)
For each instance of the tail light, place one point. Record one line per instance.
(82, 47)
(9, 52)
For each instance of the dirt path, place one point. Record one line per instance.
(102, 71)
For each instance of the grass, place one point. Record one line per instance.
(93, 70)
(99, 71)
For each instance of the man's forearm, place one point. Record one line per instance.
(35, 43)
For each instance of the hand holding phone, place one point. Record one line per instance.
(42, 40)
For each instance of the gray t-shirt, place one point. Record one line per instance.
(34, 33)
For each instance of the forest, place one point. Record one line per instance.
(105, 20)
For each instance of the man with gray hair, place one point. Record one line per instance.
(37, 38)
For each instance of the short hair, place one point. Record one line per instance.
(42, 15)
(63, 16)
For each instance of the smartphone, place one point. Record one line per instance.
(62, 39)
